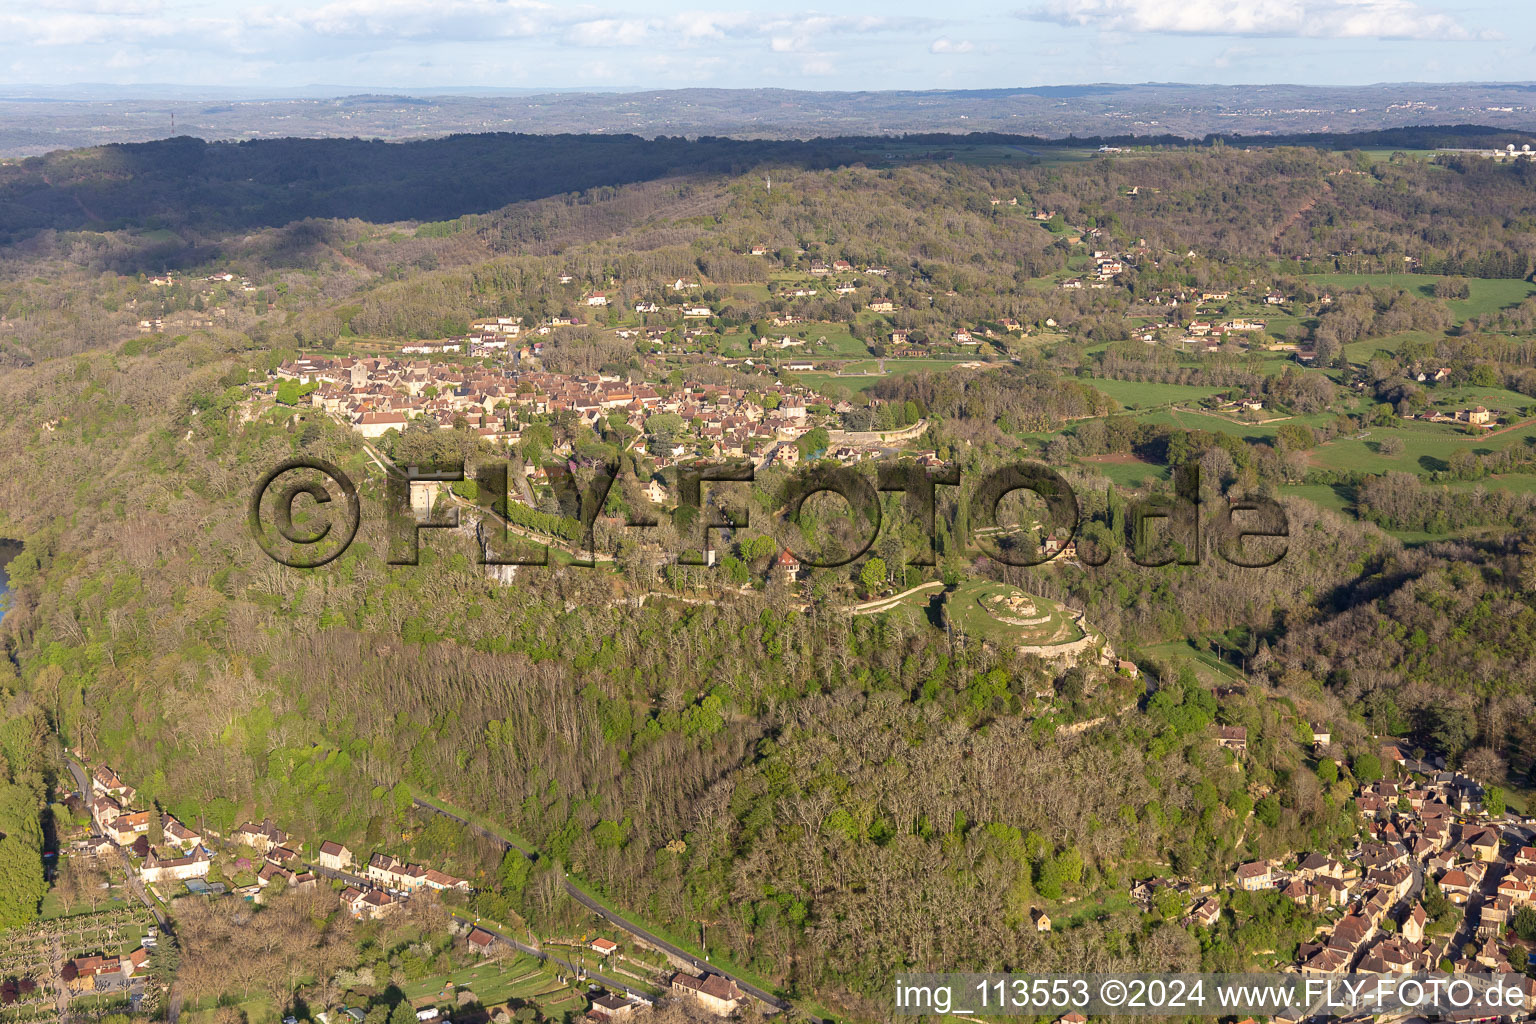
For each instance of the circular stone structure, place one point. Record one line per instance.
(1004, 615)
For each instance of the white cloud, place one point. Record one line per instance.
(944, 44)
(294, 31)
(399, 20)
(1233, 55)
(122, 8)
(1312, 19)
(609, 32)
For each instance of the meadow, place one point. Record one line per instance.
(1486, 294)
(1427, 448)
(1208, 668)
(1135, 394)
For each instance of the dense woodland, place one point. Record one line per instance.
(833, 798)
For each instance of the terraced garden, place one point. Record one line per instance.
(521, 978)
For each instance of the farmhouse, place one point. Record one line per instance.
(717, 994)
(175, 869)
(1254, 876)
(1206, 913)
(1477, 416)
(127, 826)
(366, 906)
(261, 838)
(178, 834)
(1232, 737)
(335, 856)
(610, 1006)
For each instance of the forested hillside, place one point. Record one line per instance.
(833, 797)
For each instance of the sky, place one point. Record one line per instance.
(843, 44)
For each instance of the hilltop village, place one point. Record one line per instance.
(375, 396)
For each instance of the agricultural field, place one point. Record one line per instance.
(256, 1009)
(1427, 447)
(1364, 351)
(1127, 471)
(864, 373)
(615, 965)
(1337, 497)
(1500, 400)
(1135, 394)
(495, 982)
(1208, 668)
(1487, 295)
(1217, 424)
(39, 952)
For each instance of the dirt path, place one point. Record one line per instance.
(61, 999)
(887, 603)
(1504, 430)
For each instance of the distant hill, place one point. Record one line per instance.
(187, 184)
(35, 121)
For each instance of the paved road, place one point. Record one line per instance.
(82, 783)
(82, 780)
(350, 879)
(655, 940)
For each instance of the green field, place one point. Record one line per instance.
(980, 607)
(1208, 668)
(1338, 497)
(1486, 295)
(1363, 351)
(255, 1010)
(1427, 448)
(1518, 483)
(1215, 424)
(1500, 400)
(856, 379)
(1128, 473)
(520, 977)
(1135, 394)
